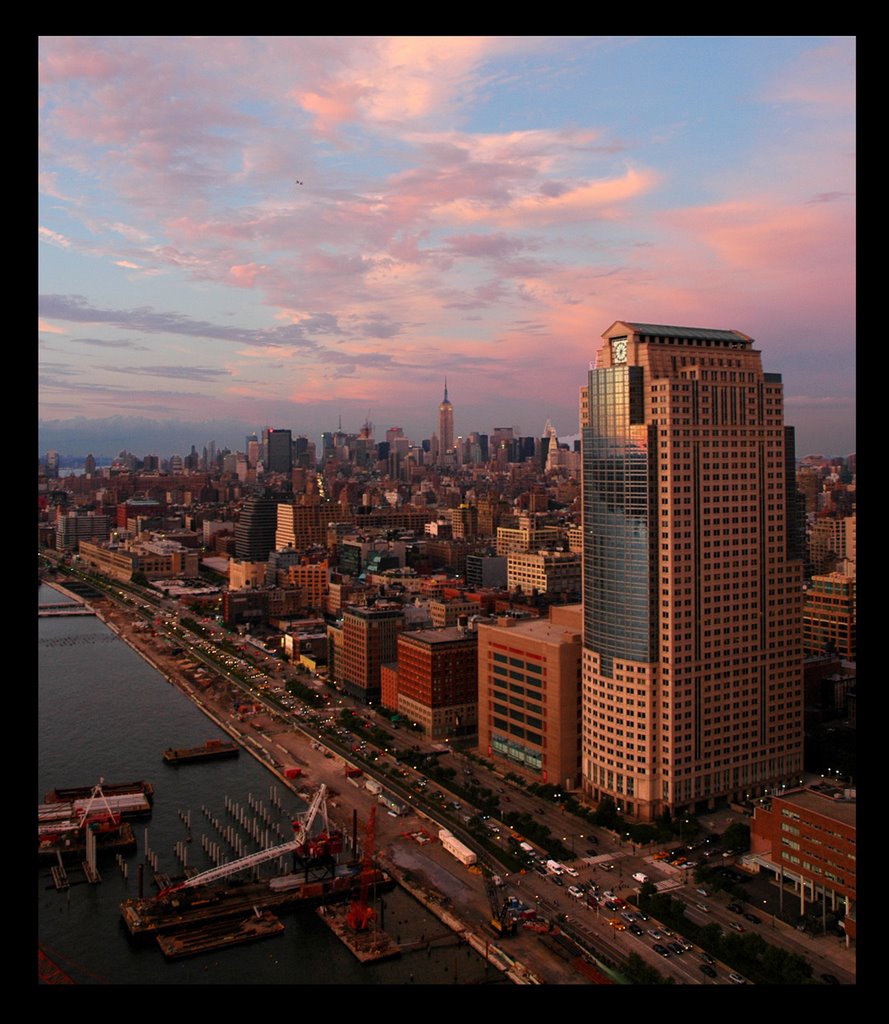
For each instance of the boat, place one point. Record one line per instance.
(212, 750)
(69, 794)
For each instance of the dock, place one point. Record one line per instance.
(219, 935)
(369, 946)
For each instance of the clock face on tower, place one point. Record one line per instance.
(619, 350)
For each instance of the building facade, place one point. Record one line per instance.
(808, 837)
(437, 680)
(693, 664)
(369, 639)
(529, 694)
(830, 616)
(544, 572)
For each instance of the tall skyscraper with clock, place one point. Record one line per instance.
(692, 599)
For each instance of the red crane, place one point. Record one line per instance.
(360, 913)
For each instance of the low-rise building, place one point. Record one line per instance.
(808, 837)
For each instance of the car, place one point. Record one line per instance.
(609, 895)
(737, 979)
(612, 906)
(628, 915)
(591, 852)
(753, 919)
(617, 924)
(674, 947)
(658, 948)
(572, 872)
(641, 877)
(556, 880)
(635, 929)
(738, 927)
(655, 934)
(684, 942)
(706, 958)
(735, 908)
(593, 839)
(830, 979)
(702, 892)
(704, 907)
(641, 915)
(575, 892)
(708, 970)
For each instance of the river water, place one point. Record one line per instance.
(104, 712)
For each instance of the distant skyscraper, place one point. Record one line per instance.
(445, 423)
(692, 663)
(255, 529)
(280, 452)
(52, 463)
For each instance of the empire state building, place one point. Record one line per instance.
(445, 423)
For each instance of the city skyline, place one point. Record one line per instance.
(299, 232)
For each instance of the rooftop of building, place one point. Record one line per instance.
(568, 623)
(445, 635)
(826, 800)
(690, 333)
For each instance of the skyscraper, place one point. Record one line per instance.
(692, 662)
(280, 452)
(255, 529)
(445, 423)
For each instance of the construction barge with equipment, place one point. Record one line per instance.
(214, 908)
(71, 829)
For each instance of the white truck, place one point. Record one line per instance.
(455, 848)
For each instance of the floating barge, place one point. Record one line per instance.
(212, 750)
(203, 905)
(219, 935)
(73, 793)
(126, 805)
(368, 946)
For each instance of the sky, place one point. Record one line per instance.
(238, 232)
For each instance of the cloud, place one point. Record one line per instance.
(54, 238)
(175, 372)
(76, 309)
(111, 343)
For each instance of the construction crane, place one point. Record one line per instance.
(502, 920)
(361, 914)
(303, 844)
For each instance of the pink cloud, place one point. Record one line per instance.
(245, 276)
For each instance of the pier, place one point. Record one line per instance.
(49, 610)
